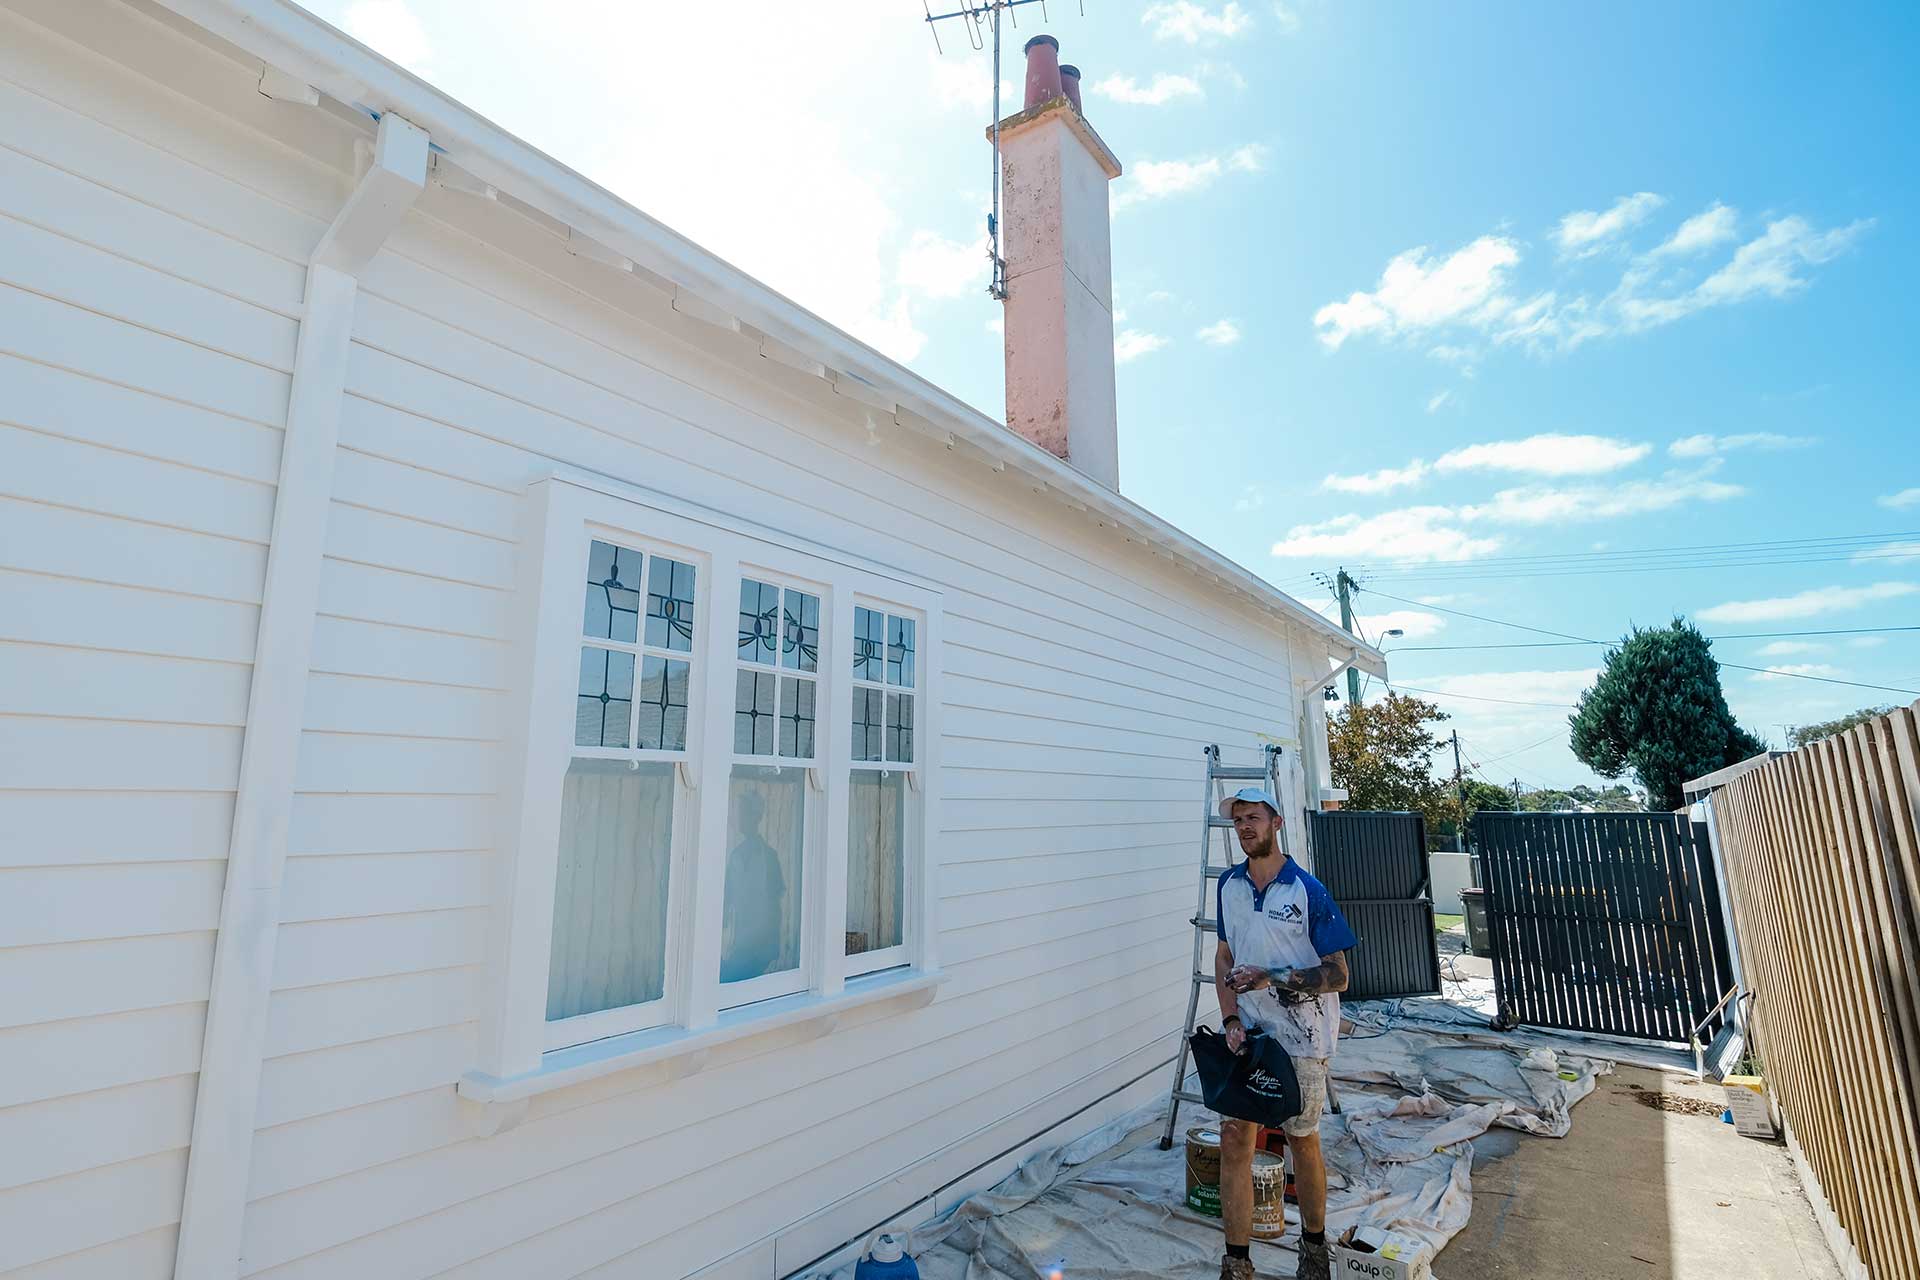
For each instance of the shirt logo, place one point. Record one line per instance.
(1288, 913)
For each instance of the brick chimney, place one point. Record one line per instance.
(1058, 245)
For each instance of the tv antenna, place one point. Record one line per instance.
(982, 24)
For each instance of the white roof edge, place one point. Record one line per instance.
(284, 36)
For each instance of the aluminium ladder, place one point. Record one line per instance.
(1212, 793)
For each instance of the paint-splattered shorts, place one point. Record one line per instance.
(1312, 1073)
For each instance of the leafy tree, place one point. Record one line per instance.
(1484, 795)
(1801, 735)
(1658, 709)
(1382, 753)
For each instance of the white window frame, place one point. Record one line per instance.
(913, 856)
(522, 1054)
(584, 1027)
(800, 978)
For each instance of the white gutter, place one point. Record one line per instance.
(219, 1159)
(284, 36)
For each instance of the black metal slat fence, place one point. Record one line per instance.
(1608, 923)
(1374, 864)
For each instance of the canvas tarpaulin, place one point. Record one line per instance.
(1111, 1206)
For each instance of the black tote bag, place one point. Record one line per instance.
(1257, 1084)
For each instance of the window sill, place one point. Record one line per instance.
(562, 1068)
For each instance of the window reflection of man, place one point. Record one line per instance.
(755, 898)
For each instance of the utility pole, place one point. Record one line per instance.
(1459, 798)
(1344, 585)
(1516, 795)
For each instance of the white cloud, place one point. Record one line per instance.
(1285, 17)
(1131, 344)
(1541, 504)
(1157, 179)
(1787, 648)
(1587, 232)
(1702, 231)
(1384, 480)
(1251, 158)
(997, 324)
(943, 268)
(1818, 602)
(1414, 533)
(1183, 20)
(1221, 333)
(1468, 291)
(1417, 623)
(1417, 291)
(1791, 669)
(1164, 89)
(1904, 498)
(1438, 401)
(1888, 553)
(1769, 264)
(1707, 446)
(390, 28)
(1252, 498)
(1549, 454)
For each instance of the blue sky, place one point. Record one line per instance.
(1441, 290)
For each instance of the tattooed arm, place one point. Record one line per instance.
(1329, 976)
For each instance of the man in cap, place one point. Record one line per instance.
(1280, 966)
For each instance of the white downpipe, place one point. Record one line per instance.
(218, 1162)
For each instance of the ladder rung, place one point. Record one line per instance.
(1215, 820)
(1214, 873)
(1201, 978)
(1241, 773)
(1204, 922)
(1185, 1096)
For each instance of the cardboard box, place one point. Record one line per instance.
(1753, 1113)
(1368, 1253)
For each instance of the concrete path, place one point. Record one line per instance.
(1650, 1185)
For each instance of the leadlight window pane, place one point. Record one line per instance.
(800, 632)
(876, 860)
(900, 651)
(900, 728)
(613, 593)
(869, 639)
(759, 621)
(766, 845)
(796, 718)
(604, 705)
(663, 705)
(753, 714)
(866, 723)
(610, 897)
(670, 605)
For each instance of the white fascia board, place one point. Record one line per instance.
(283, 35)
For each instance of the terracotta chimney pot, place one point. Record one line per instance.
(1043, 71)
(1070, 81)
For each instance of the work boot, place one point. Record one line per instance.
(1316, 1261)
(1237, 1269)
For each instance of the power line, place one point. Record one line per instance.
(1447, 693)
(1571, 644)
(1711, 548)
(1552, 737)
(1772, 671)
(1469, 575)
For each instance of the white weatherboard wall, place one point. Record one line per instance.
(155, 215)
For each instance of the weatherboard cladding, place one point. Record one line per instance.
(156, 210)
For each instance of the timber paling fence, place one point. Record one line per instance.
(1822, 854)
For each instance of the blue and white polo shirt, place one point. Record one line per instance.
(1290, 924)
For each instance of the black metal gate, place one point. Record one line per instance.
(1604, 922)
(1375, 866)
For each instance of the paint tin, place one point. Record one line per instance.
(1269, 1196)
(1203, 1171)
